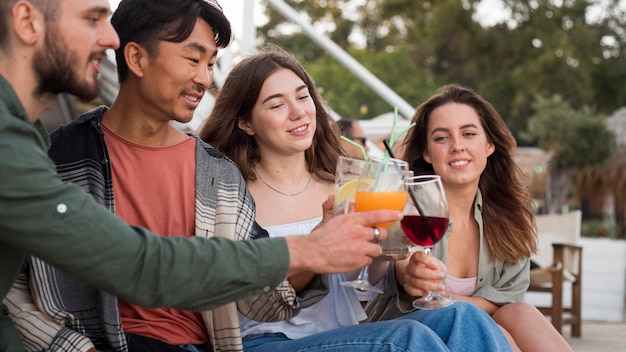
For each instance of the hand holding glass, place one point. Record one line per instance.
(380, 186)
(425, 222)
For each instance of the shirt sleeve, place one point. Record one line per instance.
(64, 226)
(39, 331)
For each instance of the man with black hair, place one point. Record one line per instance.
(52, 46)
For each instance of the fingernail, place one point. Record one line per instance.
(441, 274)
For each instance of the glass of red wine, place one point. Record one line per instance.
(425, 222)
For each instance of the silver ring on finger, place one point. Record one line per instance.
(376, 234)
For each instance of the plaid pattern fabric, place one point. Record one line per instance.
(56, 317)
(224, 208)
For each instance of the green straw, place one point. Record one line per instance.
(348, 140)
(386, 156)
(403, 132)
(393, 137)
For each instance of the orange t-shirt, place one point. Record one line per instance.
(155, 188)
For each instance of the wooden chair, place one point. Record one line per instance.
(560, 260)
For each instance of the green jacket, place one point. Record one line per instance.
(498, 281)
(61, 224)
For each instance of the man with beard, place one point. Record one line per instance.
(53, 46)
(156, 177)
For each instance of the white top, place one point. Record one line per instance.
(341, 307)
(461, 286)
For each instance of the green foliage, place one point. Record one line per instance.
(600, 229)
(575, 138)
(547, 48)
(351, 98)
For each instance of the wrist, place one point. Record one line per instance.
(300, 257)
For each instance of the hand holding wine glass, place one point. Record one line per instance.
(425, 222)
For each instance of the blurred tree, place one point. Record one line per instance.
(556, 50)
(575, 137)
(545, 48)
(350, 98)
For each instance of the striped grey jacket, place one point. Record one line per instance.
(55, 312)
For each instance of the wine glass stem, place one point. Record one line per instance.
(363, 275)
(431, 294)
(427, 250)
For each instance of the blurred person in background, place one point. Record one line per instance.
(351, 129)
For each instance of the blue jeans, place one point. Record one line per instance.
(463, 327)
(460, 327)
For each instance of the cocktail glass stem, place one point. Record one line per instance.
(362, 282)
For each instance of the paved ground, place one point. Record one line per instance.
(598, 337)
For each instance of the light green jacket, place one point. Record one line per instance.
(498, 281)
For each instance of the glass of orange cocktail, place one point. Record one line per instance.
(381, 186)
(376, 200)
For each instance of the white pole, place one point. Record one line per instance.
(405, 109)
(248, 41)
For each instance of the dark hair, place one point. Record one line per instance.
(147, 22)
(509, 223)
(347, 127)
(236, 100)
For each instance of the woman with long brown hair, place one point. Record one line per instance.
(461, 137)
(270, 119)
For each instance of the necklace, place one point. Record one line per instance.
(283, 193)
